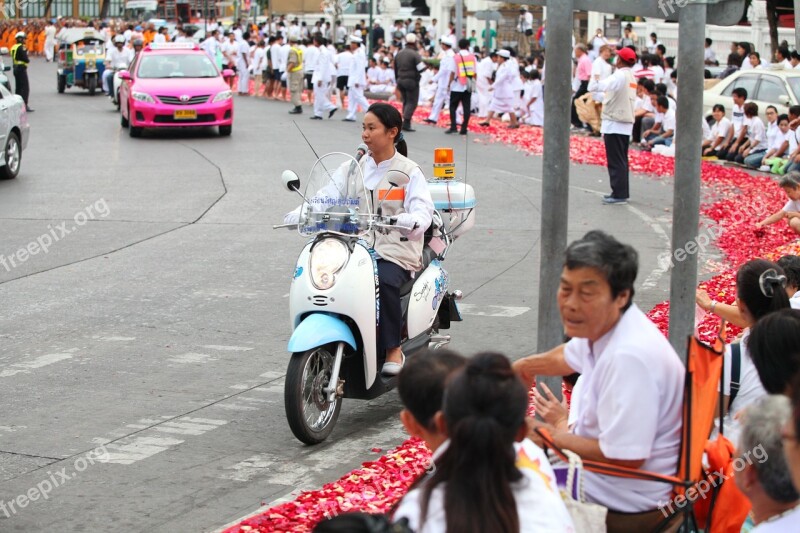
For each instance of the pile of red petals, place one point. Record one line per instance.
(373, 488)
(736, 201)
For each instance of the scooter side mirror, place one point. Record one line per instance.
(124, 75)
(4, 51)
(397, 178)
(290, 180)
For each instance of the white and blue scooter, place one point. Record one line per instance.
(334, 298)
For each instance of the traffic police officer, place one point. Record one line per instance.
(19, 56)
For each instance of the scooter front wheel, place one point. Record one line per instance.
(311, 416)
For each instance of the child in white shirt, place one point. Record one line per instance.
(533, 101)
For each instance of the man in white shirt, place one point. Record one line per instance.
(343, 61)
(275, 61)
(161, 36)
(739, 96)
(323, 80)
(663, 132)
(632, 393)
(49, 40)
(764, 476)
(524, 31)
(432, 31)
(617, 123)
(117, 59)
(310, 57)
(709, 55)
(259, 66)
(485, 72)
(243, 64)
(357, 79)
(446, 66)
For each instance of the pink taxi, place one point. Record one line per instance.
(175, 84)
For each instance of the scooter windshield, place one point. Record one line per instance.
(337, 202)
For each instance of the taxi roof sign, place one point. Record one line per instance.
(172, 46)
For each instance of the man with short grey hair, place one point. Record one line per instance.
(763, 475)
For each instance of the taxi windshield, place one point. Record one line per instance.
(176, 66)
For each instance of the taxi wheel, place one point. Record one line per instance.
(13, 155)
(225, 131)
(123, 121)
(135, 132)
(62, 83)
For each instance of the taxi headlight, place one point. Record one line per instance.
(221, 97)
(328, 258)
(143, 97)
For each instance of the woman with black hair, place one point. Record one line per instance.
(399, 251)
(774, 347)
(760, 290)
(480, 483)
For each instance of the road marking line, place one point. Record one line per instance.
(492, 310)
(136, 449)
(129, 450)
(39, 362)
(191, 358)
(223, 348)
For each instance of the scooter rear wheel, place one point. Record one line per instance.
(311, 416)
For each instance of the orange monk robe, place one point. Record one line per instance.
(40, 43)
(149, 35)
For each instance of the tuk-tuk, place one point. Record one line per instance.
(81, 58)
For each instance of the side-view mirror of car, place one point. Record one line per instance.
(397, 178)
(4, 51)
(784, 100)
(124, 75)
(290, 180)
(228, 73)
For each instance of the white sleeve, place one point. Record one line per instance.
(418, 203)
(611, 83)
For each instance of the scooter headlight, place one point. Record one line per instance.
(328, 258)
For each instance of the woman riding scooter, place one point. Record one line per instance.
(400, 252)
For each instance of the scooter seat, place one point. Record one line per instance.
(405, 288)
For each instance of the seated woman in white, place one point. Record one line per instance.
(483, 483)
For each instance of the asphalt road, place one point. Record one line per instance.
(156, 327)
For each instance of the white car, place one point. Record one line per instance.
(764, 86)
(14, 131)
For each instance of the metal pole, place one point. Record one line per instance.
(487, 35)
(797, 25)
(459, 18)
(686, 196)
(555, 191)
(370, 29)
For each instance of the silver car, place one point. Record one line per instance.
(767, 86)
(14, 132)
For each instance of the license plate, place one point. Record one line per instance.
(185, 114)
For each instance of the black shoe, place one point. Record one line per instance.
(348, 120)
(408, 128)
(429, 121)
(296, 111)
(29, 110)
(333, 112)
(315, 117)
(462, 132)
(450, 131)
